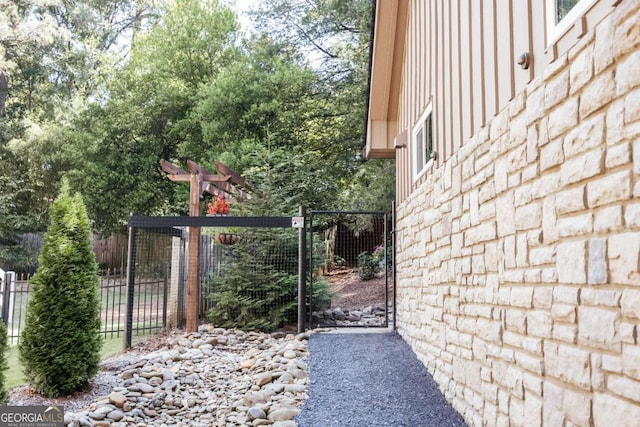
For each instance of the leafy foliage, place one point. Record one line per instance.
(147, 114)
(4, 396)
(334, 38)
(321, 295)
(99, 91)
(60, 344)
(384, 256)
(52, 56)
(367, 266)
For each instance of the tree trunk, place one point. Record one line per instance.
(4, 88)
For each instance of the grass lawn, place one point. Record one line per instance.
(15, 377)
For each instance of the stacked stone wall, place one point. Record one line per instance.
(518, 259)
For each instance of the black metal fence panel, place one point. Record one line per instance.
(155, 268)
(15, 298)
(249, 278)
(351, 268)
(113, 291)
(248, 275)
(15, 293)
(247, 270)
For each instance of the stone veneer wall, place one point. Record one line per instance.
(518, 259)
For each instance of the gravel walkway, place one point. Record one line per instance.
(371, 379)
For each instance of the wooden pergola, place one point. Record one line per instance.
(201, 181)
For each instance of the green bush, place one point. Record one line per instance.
(322, 294)
(60, 344)
(256, 288)
(4, 396)
(384, 257)
(367, 266)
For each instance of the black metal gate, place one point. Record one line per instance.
(350, 268)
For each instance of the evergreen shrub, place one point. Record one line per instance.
(322, 295)
(60, 344)
(256, 286)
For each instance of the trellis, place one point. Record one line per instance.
(201, 181)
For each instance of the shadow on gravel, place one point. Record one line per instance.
(371, 379)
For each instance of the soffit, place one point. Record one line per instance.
(387, 59)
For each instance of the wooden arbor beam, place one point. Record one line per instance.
(200, 181)
(234, 176)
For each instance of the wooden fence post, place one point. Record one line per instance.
(193, 276)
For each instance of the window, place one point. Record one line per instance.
(423, 153)
(563, 7)
(561, 14)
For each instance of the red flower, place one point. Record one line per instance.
(219, 205)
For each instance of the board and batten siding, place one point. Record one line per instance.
(463, 57)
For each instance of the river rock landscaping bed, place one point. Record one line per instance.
(371, 316)
(214, 377)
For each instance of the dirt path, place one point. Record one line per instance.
(351, 292)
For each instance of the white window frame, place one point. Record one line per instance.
(556, 30)
(420, 164)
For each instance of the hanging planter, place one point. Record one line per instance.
(227, 238)
(220, 206)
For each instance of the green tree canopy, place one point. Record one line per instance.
(53, 56)
(105, 89)
(144, 116)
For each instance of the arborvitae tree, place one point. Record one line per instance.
(60, 345)
(4, 396)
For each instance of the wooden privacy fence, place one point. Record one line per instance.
(110, 251)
